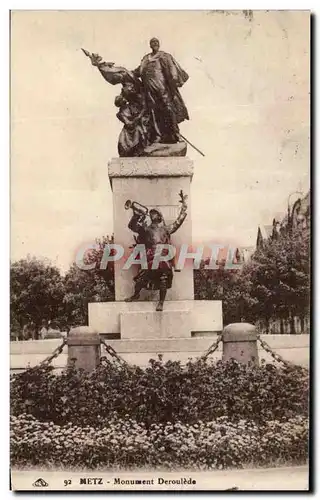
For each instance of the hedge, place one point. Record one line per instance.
(162, 392)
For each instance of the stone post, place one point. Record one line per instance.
(84, 347)
(240, 343)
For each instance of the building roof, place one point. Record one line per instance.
(266, 231)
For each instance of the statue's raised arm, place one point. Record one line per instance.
(111, 73)
(172, 228)
(133, 113)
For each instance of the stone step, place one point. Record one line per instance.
(163, 345)
(155, 325)
(205, 315)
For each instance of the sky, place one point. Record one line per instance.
(247, 97)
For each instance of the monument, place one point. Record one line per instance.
(154, 309)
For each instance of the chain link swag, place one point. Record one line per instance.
(58, 350)
(264, 346)
(110, 350)
(277, 356)
(212, 348)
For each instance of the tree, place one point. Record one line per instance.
(275, 284)
(219, 284)
(84, 286)
(37, 291)
(281, 279)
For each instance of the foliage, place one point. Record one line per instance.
(162, 392)
(82, 287)
(281, 277)
(36, 290)
(39, 292)
(125, 443)
(90, 285)
(274, 284)
(219, 284)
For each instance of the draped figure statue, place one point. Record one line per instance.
(151, 107)
(161, 76)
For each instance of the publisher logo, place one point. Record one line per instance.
(40, 483)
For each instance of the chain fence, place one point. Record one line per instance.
(45, 362)
(264, 345)
(116, 357)
(212, 348)
(278, 358)
(58, 350)
(111, 351)
(54, 355)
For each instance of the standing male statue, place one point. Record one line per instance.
(156, 82)
(151, 235)
(161, 77)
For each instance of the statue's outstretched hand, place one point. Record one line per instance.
(96, 59)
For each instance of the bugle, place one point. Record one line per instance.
(136, 207)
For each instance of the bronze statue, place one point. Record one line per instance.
(133, 138)
(161, 77)
(157, 232)
(154, 84)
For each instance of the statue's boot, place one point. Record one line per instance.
(159, 306)
(135, 296)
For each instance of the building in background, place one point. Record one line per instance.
(298, 218)
(244, 254)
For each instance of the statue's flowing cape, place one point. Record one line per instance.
(175, 76)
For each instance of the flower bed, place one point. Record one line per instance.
(218, 444)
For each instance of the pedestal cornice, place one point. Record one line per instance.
(150, 167)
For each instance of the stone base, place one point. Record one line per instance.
(195, 317)
(155, 325)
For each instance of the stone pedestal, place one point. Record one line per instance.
(135, 327)
(240, 343)
(204, 317)
(84, 348)
(155, 325)
(155, 183)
